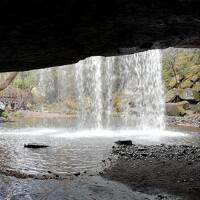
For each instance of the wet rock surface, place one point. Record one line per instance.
(193, 120)
(81, 188)
(124, 142)
(158, 152)
(170, 168)
(22, 175)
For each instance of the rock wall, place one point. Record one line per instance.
(37, 34)
(183, 97)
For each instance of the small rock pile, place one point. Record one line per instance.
(183, 96)
(159, 152)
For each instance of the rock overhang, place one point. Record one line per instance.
(38, 34)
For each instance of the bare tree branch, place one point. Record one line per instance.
(8, 81)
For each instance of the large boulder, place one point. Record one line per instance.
(177, 109)
(186, 94)
(197, 108)
(2, 106)
(195, 77)
(196, 87)
(186, 84)
(171, 95)
(175, 81)
(196, 95)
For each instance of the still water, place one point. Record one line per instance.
(71, 150)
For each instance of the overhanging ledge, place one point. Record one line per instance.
(38, 34)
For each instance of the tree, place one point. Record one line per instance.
(8, 80)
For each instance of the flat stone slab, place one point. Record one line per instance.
(35, 145)
(124, 142)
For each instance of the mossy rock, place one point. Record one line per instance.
(184, 104)
(196, 95)
(195, 77)
(197, 108)
(175, 109)
(170, 96)
(175, 81)
(185, 94)
(186, 84)
(196, 87)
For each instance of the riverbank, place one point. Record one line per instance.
(157, 168)
(186, 121)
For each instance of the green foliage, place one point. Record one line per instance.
(24, 81)
(185, 62)
(4, 114)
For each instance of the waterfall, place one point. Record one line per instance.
(148, 88)
(89, 90)
(151, 102)
(139, 87)
(125, 87)
(109, 88)
(80, 93)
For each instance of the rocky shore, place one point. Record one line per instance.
(192, 121)
(157, 168)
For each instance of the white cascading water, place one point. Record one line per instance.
(144, 83)
(134, 79)
(140, 80)
(151, 103)
(89, 90)
(98, 95)
(108, 82)
(80, 92)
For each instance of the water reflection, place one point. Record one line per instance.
(71, 150)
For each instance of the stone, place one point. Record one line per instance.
(196, 87)
(186, 84)
(197, 107)
(170, 96)
(195, 77)
(196, 95)
(175, 81)
(77, 174)
(124, 142)
(2, 106)
(186, 94)
(175, 109)
(35, 145)
(185, 104)
(2, 119)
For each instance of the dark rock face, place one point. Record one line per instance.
(36, 34)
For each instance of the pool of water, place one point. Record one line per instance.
(72, 150)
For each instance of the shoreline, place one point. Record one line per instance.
(157, 168)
